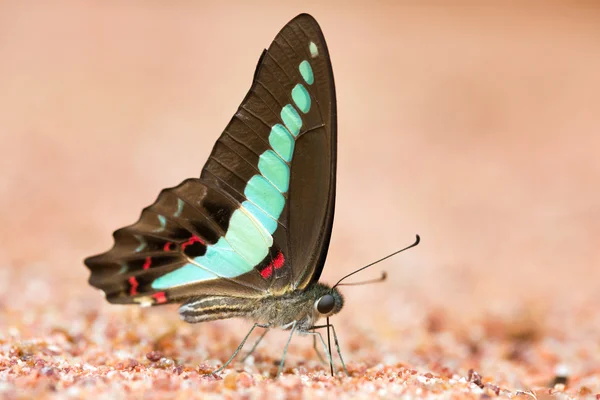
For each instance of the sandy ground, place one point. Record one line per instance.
(475, 125)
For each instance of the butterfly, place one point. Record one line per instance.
(249, 238)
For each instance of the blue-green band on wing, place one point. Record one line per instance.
(249, 236)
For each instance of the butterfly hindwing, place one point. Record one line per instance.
(181, 238)
(258, 220)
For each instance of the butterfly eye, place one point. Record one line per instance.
(325, 304)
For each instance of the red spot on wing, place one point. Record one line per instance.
(160, 297)
(276, 263)
(168, 246)
(134, 285)
(148, 262)
(267, 272)
(192, 240)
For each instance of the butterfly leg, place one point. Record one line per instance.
(317, 350)
(255, 345)
(337, 344)
(285, 349)
(238, 348)
(318, 334)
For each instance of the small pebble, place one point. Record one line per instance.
(245, 380)
(154, 356)
(230, 381)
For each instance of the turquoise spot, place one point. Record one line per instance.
(301, 98)
(313, 49)
(291, 119)
(142, 244)
(275, 170)
(163, 222)
(282, 142)
(306, 72)
(123, 266)
(265, 196)
(263, 218)
(246, 238)
(179, 208)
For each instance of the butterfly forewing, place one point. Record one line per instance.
(313, 173)
(258, 220)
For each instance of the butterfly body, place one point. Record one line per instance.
(273, 311)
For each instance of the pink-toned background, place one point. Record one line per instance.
(475, 125)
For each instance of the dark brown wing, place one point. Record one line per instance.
(258, 220)
(312, 187)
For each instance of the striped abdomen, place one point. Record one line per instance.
(212, 308)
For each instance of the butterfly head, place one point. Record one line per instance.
(328, 300)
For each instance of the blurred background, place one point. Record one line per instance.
(475, 125)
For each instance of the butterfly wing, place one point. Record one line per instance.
(183, 237)
(258, 220)
(301, 46)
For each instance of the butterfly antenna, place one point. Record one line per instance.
(378, 261)
(382, 278)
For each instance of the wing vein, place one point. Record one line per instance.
(255, 115)
(278, 64)
(283, 89)
(238, 116)
(226, 132)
